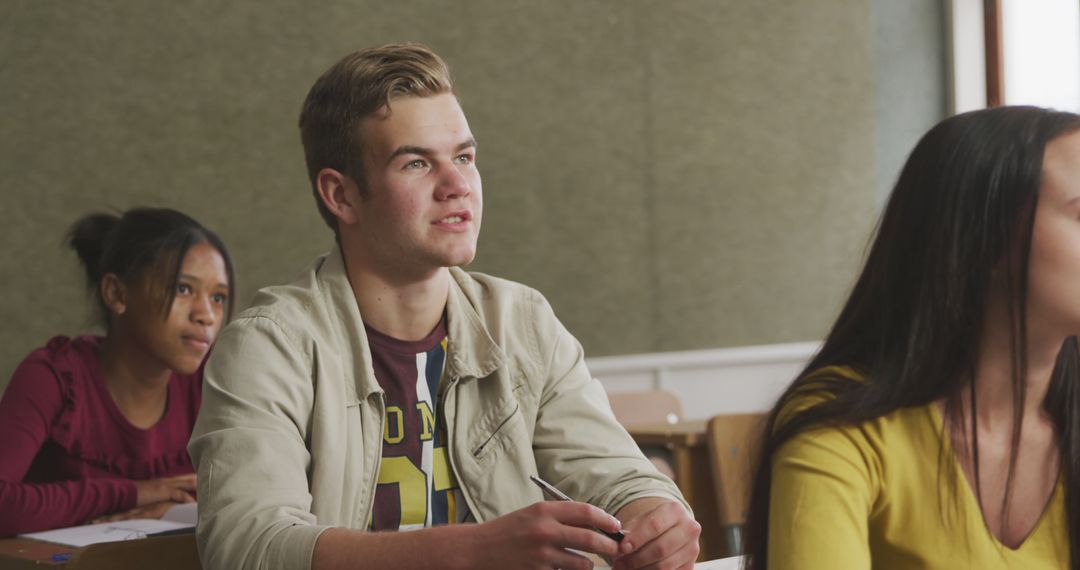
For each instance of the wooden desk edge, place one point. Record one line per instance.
(690, 433)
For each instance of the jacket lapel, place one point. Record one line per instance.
(471, 353)
(346, 324)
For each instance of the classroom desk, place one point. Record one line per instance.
(165, 553)
(162, 553)
(693, 475)
(20, 553)
(685, 440)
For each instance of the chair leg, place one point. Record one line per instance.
(733, 540)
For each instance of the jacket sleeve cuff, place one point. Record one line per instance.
(294, 547)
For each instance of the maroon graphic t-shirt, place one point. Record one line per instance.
(416, 486)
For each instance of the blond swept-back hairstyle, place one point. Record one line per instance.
(359, 85)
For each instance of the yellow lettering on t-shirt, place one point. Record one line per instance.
(428, 419)
(394, 417)
(412, 487)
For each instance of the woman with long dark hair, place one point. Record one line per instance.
(93, 426)
(938, 425)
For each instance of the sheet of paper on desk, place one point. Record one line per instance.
(187, 513)
(105, 532)
(733, 563)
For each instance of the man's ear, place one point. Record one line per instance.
(340, 194)
(114, 294)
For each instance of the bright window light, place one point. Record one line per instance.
(1041, 50)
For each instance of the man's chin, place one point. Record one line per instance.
(459, 259)
(461, 263)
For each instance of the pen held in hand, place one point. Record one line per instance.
(557, 494)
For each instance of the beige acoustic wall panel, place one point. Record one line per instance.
(672, 175)
(111, 105)
(763, 189)
(554, 90)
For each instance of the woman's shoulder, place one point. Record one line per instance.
(813, 389)
(60, 357)
(882, 434)
(67, 351)
(55, 380)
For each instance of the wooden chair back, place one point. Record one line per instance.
(733, 441)
(646, 407)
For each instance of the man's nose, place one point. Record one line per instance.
(452, 184)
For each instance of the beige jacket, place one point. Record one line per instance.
(289, 438)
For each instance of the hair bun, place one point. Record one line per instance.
(87, 237)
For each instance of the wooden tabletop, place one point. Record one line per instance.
(26, 553)
(689, 433)
(176, 552)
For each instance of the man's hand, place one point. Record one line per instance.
(537, 536)
(534, 537)
(151, 511)
(177, 489)
(659, 535)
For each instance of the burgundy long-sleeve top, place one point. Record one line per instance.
(67, 453)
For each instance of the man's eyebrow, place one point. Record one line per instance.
(409, 149)
(424, 151)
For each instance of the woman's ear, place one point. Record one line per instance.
(340, 194)
(114, 294)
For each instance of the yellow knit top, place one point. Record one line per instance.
(890, 494)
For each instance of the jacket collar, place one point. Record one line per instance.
(343, 318)
(471, 352)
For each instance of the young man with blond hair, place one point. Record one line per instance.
(387, 389)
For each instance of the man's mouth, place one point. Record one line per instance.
(455, 218)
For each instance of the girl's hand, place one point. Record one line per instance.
(151, 511)
(178, 489)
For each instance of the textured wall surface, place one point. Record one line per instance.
(912, 79)
(672, 175)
